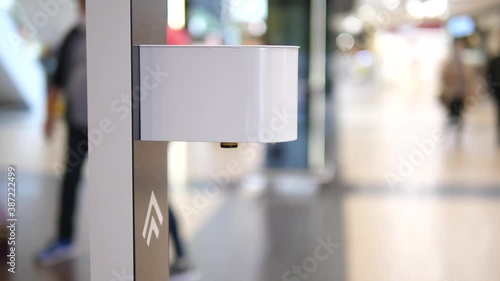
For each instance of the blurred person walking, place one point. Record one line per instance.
(182, 268)
(457, 84)
(493, 78)
(70, 79)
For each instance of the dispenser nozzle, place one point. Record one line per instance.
(228, 144)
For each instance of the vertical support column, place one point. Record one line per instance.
(151, 211)
(123, 170)
(317, 83)
(110, 139)
(149, 23)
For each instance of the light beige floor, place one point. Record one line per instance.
(422, 239)
(371, 148)
(420, 232)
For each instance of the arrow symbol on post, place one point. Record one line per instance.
(150, 223)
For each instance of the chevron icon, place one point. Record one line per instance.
(150, 223)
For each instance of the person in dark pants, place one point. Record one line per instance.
(457, 78)
(70, 78)
(493, 78)
(172, 223)
(182, 268)
(181, 263)
(77, 142)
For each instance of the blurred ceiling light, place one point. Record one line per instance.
(461, 26)
(345, 42)
(367, 12)
(365, 58)
(6, 4)
(257, 28)
(176, 14)
(429, 8)
(415, 9)
(247, 10)
(198, 25)
(435, 8)
(392, 5)
(352, 24)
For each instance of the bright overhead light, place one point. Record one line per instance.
(345, 42)
(257, 28)
(6, 4)
(392, 5)
(176, 11)
(429, 9)
(352, 24)
(247, 10)
(415, 8)
(367, 12)
(435, 8)
(365, 58)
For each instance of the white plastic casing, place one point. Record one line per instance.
(219, 93)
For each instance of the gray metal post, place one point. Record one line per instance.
(150, 158)
(128, 177)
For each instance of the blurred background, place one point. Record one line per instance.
(400, 190)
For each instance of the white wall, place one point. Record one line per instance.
(50, 19)
(22, 78)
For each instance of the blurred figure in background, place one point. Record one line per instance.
(181, 264)
(493, 78)
(457, 83)
(70, 78)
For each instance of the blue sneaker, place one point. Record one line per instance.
(183, 270)
(56, 253)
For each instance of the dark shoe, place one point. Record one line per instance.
(56, 253)
(183, 270)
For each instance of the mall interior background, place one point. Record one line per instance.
(376, 169)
